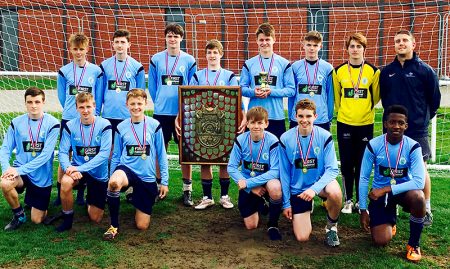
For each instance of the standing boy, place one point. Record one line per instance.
(169, 69)
(267, 78)
(314, 80)
(90, 138)
(33, 136)
(77, 76)
(256, 152)
(139, 142)
(309, 168)
(399, 177)
(356, 92)
(410, 82)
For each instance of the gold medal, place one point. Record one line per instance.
(118, 90)
(169, 82)
(311, 94)
(305, 170)
(33, 153)
(144, 156)
(252, 174)
(86, 158)
(356, 96)
(393, 182)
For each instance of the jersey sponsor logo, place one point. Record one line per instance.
(74, 90)
(29, 147)
(257, 167)
(386, 172)
(350, 93)
(308, 89)
(136, 150)
(87, 151)
(410, 75)
(123, 85)
(271, 80)
(391, 75)
(176, 80)
(310, 163)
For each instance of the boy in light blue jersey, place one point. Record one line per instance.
(77, 76)
(33, 136)
(268, 93)
(314, 80)
(169, 69)
(121, 74)
(253, 165)
(139, 142)
(309, 168)
(399, 178)
(215, 75)
(89, 137)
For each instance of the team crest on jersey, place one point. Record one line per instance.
(98, 138)
(222, 83)
(364, 80)
(182, 68)
(319, 78)
(265, 156)
(91, 80)
(128, 74)
(402, 160)
(316, 150)
(42, 134)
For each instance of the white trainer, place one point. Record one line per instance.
(225, 201)
(348, 207)
(204, 203)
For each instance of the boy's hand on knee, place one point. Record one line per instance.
(307, 195)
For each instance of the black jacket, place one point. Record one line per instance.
(415, 86)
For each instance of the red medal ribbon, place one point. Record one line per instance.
(174, 64)
(141, 147)
(259, 152)
(359, 76)
(90, 133)
(30, 133)
(119, 80)
(270, 66)
(217, 76)
(315, 72)
(399, 153)
(77, 85)
(304, 160)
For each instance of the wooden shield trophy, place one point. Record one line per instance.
(210, 117)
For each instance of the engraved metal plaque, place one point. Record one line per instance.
(210, 117)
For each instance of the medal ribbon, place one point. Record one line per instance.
(77, 85)
(304, 160)
(399, 152)
(315, 72)
(90, 133)
(174, 64)
(359, 76)
(217, 76)
(260, 149)
(142, 147)
(123, 70)
(270, 66)
(30, 133)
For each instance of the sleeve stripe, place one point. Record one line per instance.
(329, 140)
(103, 69)
(231, 77)
(100, 75)
(61, 73)
(152, 63)
(195, 77)
(237, 143)
(274, 145)
(282, 145)
(66, 128)
(157, 128)
(369, 147)
(12, 125)
(195, 64)
(54, 126)
(245, 66)
(416, 146)
(107, 127)
(287, 67)
(140, 69)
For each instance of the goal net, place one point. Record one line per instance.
(33, 38)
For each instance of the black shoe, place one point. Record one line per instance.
(187, 198)
(15, 223)
(50, 219)
(67, 223)
(274, 233)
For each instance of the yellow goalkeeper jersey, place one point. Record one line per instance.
(356, 92)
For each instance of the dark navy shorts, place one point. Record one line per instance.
(96, 190)
(168, 127)
(425, 145)
(276, 127)
(35, 196)
(380, 213)
(144, 193)
(249, 203)
(299, 205)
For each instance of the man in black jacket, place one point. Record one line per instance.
(410, 82)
